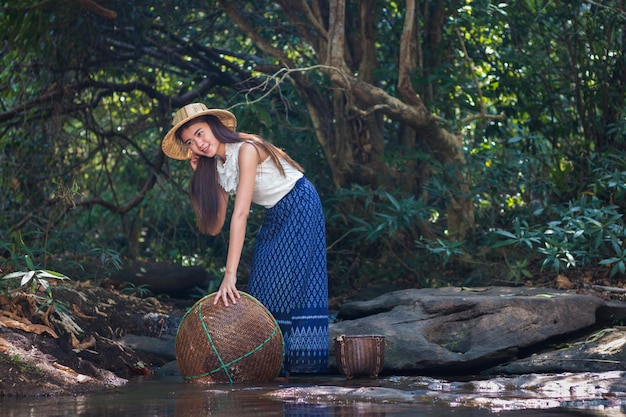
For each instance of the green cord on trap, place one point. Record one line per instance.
(222, 364)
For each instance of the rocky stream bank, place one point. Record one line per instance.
(101, 338)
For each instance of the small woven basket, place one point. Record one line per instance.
(238, 343)
(360, 355)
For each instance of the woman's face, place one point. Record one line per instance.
(199, 137)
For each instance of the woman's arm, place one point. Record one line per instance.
(249, 159)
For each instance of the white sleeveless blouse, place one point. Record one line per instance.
(269, 186)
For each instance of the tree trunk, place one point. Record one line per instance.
(349, 127)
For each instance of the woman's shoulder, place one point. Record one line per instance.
(251, 149)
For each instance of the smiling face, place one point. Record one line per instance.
(199, 137)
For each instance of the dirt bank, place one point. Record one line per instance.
(73, 345)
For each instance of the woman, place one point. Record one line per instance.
(288, 273)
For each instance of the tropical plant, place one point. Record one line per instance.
(469, 115)
(140, 291)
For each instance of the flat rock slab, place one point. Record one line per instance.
(567, 394)
(600, 351)
(463, 329)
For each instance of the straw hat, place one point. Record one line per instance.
(176, 150)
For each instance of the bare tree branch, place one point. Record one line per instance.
(314, 20)
(254, 35)
(97, 9)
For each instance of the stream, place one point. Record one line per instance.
(331, 395)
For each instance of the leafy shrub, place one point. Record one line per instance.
(586, 232)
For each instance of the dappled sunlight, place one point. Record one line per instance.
(584, 391)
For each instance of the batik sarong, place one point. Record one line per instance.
(289, 277)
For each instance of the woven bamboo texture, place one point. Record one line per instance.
(360, 355)
(238, 343)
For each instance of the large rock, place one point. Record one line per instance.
(459, 330)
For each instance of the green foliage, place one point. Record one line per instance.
(388, 216)
(586, 231)
(140, 291)
(33, 281)
(36, 282)
(518, 270)
(441, 249)
(109, 258)
(583, 232)
(86, 101)
(521, 236)
(618, 261)
(380, 227)
(26, 276)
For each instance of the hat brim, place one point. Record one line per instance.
(176, 150)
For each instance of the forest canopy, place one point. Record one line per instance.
(457, 142)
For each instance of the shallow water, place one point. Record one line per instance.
(318, 396)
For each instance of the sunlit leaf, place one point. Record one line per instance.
(27, 277)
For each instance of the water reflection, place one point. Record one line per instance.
(321, 396)
(209, 402)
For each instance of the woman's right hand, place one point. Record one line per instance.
(228, 290)
(194, 161)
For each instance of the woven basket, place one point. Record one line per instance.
(360, 355)
(238, 343)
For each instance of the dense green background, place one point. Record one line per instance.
(500, 160)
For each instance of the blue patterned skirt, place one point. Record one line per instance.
(289, 276)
